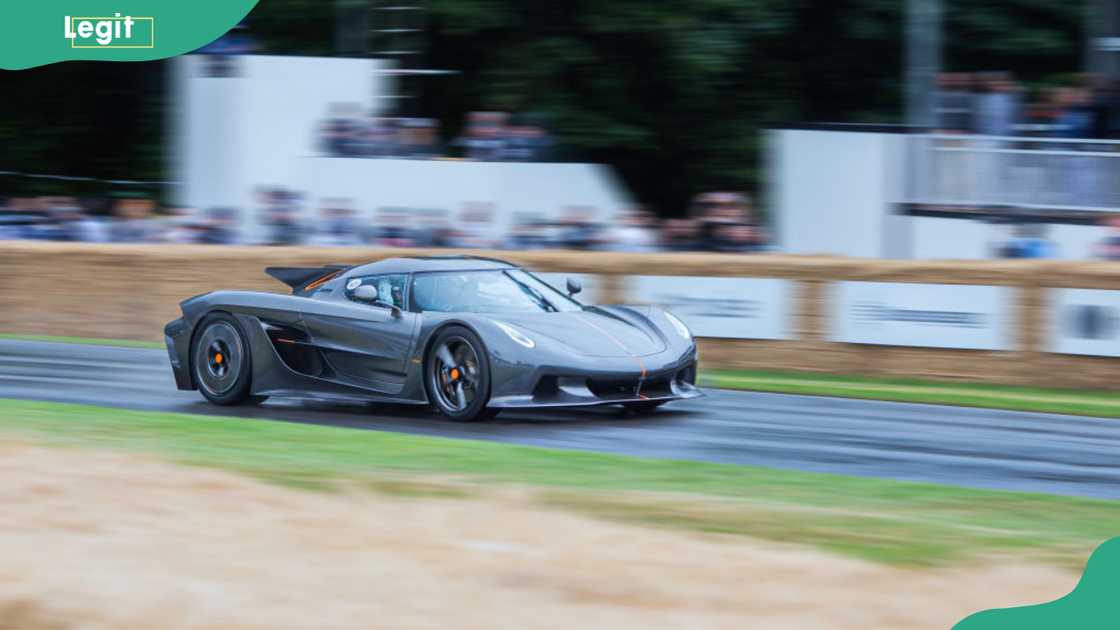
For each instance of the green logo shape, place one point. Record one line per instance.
(48, 31)
(1093, 604)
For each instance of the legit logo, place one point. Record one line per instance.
(111, 32)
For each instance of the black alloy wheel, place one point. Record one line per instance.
(458, 375)
(221, 362)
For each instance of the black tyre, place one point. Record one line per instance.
(643, 408)
(457, 375)
(221, 362)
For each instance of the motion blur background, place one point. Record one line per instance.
(920, 129)
(825, 191)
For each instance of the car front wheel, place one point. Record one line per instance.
(458, 375)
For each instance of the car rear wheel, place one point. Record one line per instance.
(458, 375)
(221, 362)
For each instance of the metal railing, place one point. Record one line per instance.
(1048, 174)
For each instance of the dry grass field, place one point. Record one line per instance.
(119, 540)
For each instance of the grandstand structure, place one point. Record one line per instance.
(919, 191)
(260, 128)
(882, 191)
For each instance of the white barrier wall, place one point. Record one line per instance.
(965, 239)
(259, 126)
(957, 239)
(1077, 242)
(233, 133)
(831, 191)
(835, 192)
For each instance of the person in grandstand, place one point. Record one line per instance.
(1030, 241)
(132, 220)
(1109, 247)
(634, 232)
(281, 216)
(337, 226)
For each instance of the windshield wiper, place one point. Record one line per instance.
(535, 295)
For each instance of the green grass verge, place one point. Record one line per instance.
(881, 520)
(1067, 401)
(90, 341)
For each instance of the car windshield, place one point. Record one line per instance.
(499, 291)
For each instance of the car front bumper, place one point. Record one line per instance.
(653, 379)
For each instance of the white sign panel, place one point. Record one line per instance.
(1084, 321)
(591, 293)
(735, 308)
(975, 317)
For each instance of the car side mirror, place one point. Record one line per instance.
(574, 286)
(368, 293)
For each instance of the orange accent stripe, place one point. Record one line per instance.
(321, 281)
(633, 355)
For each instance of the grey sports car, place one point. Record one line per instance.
(468, 335)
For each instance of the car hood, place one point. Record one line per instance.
(589, 333)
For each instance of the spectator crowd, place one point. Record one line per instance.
(488, 136)
(718, 221)
(994, 104)
(1003, 145)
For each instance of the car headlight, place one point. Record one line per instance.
(678, 325)
(517, 335)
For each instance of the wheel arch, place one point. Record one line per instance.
(444, 326)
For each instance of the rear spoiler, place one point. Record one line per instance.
(303, 278)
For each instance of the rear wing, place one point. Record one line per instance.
(305, 278)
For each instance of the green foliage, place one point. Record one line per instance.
(672, 93)
(81, 118)
(294, 27)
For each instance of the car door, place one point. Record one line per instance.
(365, 343)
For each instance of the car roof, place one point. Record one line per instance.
(413, 264)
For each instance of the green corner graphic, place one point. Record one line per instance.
(42, 32)
(1093, 604)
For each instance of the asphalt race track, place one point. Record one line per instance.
(954, 445)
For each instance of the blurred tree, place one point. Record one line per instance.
(671, 93)
(82, 119)
(674, 93)
(1040, 41)
(294, 27)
